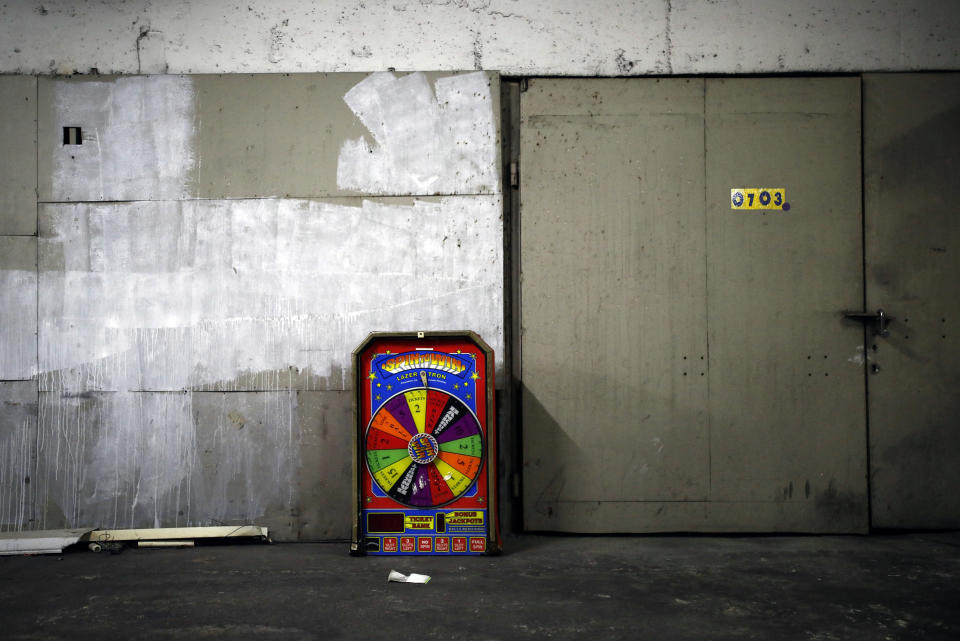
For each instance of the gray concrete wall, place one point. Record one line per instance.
(516, 37)
(206, 261)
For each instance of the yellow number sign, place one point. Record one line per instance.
(759, 198)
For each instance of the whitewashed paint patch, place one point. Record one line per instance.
(115, 459)
(426, 140)
(136, 459)
(138, 139)
(246, 294)
(18, 324)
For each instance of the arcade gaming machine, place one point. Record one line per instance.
(425, 445)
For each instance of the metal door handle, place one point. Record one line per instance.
(879, 320)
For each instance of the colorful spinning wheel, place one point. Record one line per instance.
(424, 448)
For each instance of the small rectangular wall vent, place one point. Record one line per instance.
(72, 136)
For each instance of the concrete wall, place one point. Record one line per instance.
(516, 37)
(177, 336)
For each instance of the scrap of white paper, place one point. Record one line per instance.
(396, 577)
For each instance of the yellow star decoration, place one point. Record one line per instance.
(469, 397)
(389, 387)
(474, 376)
(372, 376)
(378, 384)
(378, 397)
(456, 386)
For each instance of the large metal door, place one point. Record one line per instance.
(684, 363)
(911, 156)
(613, 301)
(786, 378)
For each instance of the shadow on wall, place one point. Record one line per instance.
(912, 227)
(547, 453)
(917, 189)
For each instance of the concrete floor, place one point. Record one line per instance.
(871, 588)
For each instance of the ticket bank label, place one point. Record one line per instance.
(418, 522)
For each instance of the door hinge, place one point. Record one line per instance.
(514, 174)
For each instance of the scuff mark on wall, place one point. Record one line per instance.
(624, 66)
(860, 356)
(361, 52)
(151, 51)
(277, 36)
(125, 154)
(477, 51)
(668, 37)
(426, 140)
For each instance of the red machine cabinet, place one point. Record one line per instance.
(425, 445)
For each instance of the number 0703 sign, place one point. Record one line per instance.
(759, 198)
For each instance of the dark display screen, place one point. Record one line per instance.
(385, 522)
